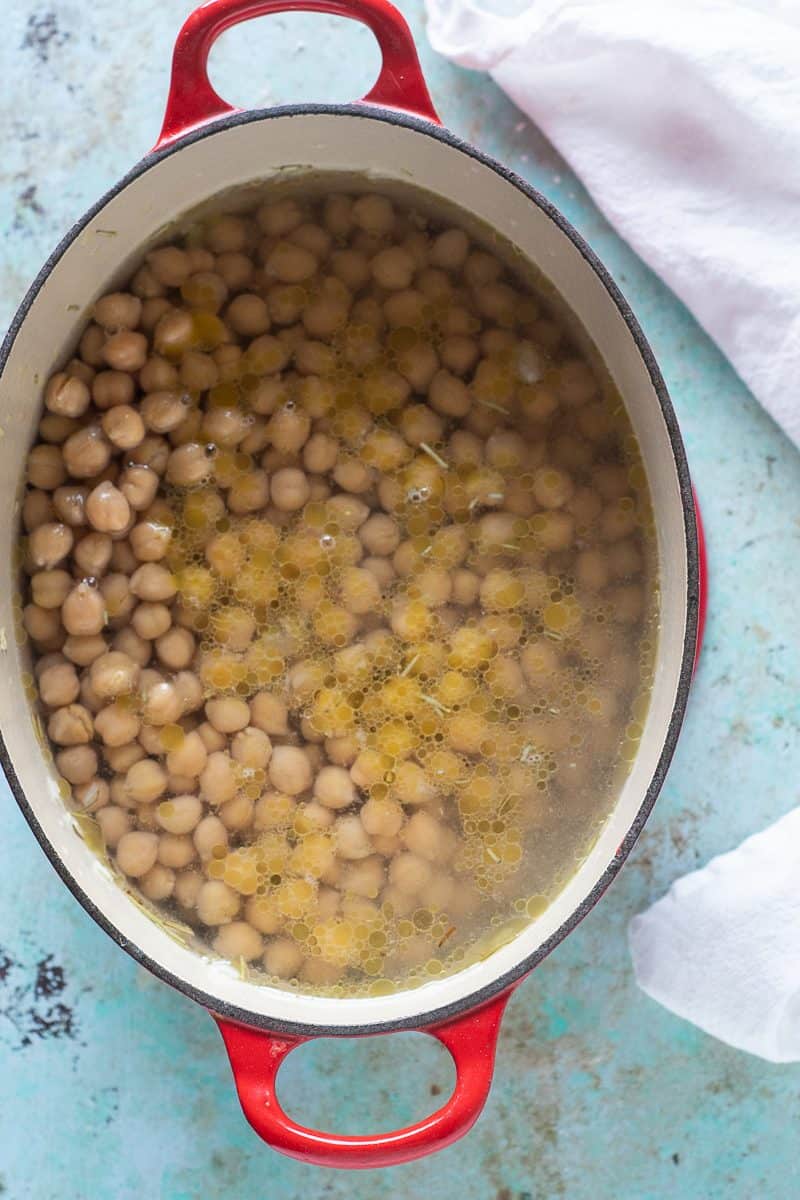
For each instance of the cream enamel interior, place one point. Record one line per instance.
(98, 257)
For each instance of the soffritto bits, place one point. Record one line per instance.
(340, 585)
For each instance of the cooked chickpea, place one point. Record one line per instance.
(351, 838)
(49, 544)
(228, 714)
(393, 268)
(282, 958)
(290, 770)
(381, 817)
(289, 489)
(188, 758)
(217, 904)
(269, 713)
(409, 873)
(59, 685)
(107, 509)
(175, 649)
(83, 611)
(334, 788)
(125, 350)
(218, 779)
(136, 853)
(66, 395)
(151, 620)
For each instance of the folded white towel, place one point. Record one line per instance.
(683, 120)
(722, 948)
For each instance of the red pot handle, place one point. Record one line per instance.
(256, 1057)
(192, 101)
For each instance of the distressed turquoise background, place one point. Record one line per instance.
(113, 1086)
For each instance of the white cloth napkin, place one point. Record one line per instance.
(722, 948)
(683, 120)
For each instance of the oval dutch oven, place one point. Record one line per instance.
(206, 147)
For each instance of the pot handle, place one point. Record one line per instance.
(192, 101)
(256, 1057)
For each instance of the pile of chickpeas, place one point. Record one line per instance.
(339, 584)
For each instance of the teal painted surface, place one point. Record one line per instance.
(113, 1087)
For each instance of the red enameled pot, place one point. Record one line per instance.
(207, 147)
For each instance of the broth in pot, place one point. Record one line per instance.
(341, 585)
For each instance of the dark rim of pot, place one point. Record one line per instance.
(502, 982)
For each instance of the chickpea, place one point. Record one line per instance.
(49, 544)
(380, 534)
(449, 395)
(145, 781)
(360, 590)
(43, 625)
(189, 758)
(56, 429)
(117, 724)
(71, 726)
(78, 764)
(114, 823)
(419, 424)
(409, 873)
(217, 904)
(92, 554)
(169, 265)
(38, 508)
(107, 510)
(92, 796)
(374, 214)
(450, 250)
(66, 395)
(382, 817)
(210, 838)
(393, 268)
(180, 814)
(218, 779)
(352, 841)
(411, 620)
(176, 851)
(125, 350)
(123, 426)
(270, 714)
(59, 685)
(239, 940)
(289, 489)
(161, 703)
(188, 465)
(175, 649)
(151, 620)
(136, 853)
(87, 452)
(46, 467)
(334, 788)
(228, 714)
(282, 958)
(290, 770)
(150, 539)
(117, 310)
(413, 785)
(189, 690)
(290, 263)
(83, 611)
(158, 883)
(138, 485)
